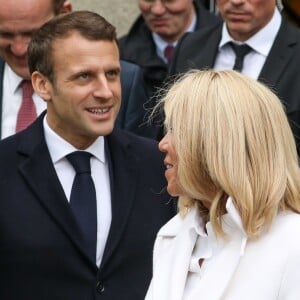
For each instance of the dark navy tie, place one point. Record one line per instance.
(83, 199)
(240, 52)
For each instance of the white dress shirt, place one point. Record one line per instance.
(59, 149)
(12, 100)
(261, 43)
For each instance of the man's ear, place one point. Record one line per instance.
(41, 85)
(66, 8)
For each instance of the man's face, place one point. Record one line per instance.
(168, 18)
(18, 20)
(85, 97)
(244, 18)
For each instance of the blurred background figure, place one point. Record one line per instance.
(152, 38)
(255, 40)
(19, 104)
(231, 158)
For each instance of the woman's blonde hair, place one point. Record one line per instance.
(232, 138)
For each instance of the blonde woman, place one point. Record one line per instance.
(231, 158)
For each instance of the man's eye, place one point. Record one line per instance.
(112, 73)
(83, 76)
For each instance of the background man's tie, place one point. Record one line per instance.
(240, 52)
(27, 112)
(168, 53)
(83, 199)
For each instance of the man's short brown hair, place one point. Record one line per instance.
(88, 24)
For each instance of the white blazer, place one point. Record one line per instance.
(266, 269)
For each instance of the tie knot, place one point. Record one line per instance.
(27, 89)
(168, 52)
(240, 50)
(80, 160)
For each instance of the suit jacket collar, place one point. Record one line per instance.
(35, 159)
(283, 49)
(123, 163)
(1, 91)
(173, 249)
(37, 169)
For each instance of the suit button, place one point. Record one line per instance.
(99, 287)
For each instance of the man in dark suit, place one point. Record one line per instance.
(274, 50)
(18, 19)
(160, 24)
(46, 251)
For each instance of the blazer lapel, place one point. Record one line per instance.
(39, 173)
(172, 252)
(222, 271)
(226, 261)
(123, 169)
(280, 55)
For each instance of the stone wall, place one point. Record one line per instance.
(121, 13)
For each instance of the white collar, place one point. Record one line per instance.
(14, 80)
(59, 148)
(231, 224)
(263, 40)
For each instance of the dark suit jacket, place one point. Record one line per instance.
(138, 47)
(132, 112)
(280, 72)
(41, 252)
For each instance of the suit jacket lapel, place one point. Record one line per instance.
(123, 168)
(205, 54)
(1, 92)
(281, 53)
(45, 184)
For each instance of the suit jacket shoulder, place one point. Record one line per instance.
(196, 50)
(132, 114)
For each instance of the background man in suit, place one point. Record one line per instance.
(273, 53)
(159, 27)
(18, 20)
(45, 247)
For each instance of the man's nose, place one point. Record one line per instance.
(102, 89)
(19, 45)
(158, 8)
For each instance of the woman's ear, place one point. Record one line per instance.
(41, 85)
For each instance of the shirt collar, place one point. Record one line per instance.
(14, 80)
(231, 224)
(59, 148)
(263, 40)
